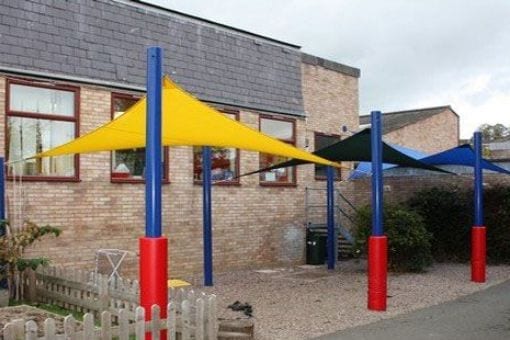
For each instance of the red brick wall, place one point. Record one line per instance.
(399, 189)
(434, 134)
(253, 226)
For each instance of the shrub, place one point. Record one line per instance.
(408, 240)
(497, 220)
(12, 247)
(448, 216)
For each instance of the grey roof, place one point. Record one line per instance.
(330, 65)
(392, 121)
(106, 40)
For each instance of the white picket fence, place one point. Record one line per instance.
(184, 321)
(191, 314)
(79, 290)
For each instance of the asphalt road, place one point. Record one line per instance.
(481, 316)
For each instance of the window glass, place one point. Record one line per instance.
(30, 131)
(277, 128)
(322, 141)
(129, 165)
(41, 100)
(224, 164)
(283, 130)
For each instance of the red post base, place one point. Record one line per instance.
(478, 253)
(377, 272)
(154, 276)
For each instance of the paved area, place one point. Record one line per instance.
(484, 315)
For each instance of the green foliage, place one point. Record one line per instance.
(448, 216)
(14, 242)
(22, 264)
(495, 132)
(497, 221)
(408, 239)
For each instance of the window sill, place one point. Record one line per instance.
(133, 181)
(278, 184)
(324, 178)
(45, 179)
(223, 184)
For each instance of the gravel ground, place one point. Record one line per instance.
(307, 301)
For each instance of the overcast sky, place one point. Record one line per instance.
(412, 53)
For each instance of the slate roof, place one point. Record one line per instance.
(330, 65)
(392, 121)
(104, 41)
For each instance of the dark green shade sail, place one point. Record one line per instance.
(357, 148)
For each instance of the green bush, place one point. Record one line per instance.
(497, 221)
(448, 216)
(408, 240)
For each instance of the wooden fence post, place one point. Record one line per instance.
(186, 320)
(123, 325)
(155, 322)
(106, 325)
(30, 290)
(88, 327)
(212, 321)
(49, 329)
(14, 330)
(171, 321)
(140, 323)
(31, 330)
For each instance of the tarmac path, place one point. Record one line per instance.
(484, 315)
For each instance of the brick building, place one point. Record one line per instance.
(429, 130)
(67, 67)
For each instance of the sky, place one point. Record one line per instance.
(412, 53)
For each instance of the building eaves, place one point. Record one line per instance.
(330, 65)
(392, 121)
(213, 23)
(104, 42)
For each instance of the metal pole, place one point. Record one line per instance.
(153, 150)
(478, 180)
(153, 247)
(478, 231)
(377, 180)
(377, 242)
(330, 171)
(206, 183)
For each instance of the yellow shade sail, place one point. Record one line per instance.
(186, 121)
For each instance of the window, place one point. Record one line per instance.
(284, 130)
(129, 165)
(40, 117)
(321, 141)
(224, 162)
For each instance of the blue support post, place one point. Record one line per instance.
(478, 231)
(330, 171)
(478, 180)
(153, 247)
(377, 242)
(153, 147)
(206, 183)
(377, 179)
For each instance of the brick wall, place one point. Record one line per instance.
(253, 226)
(331, 100)
(399, 189)
(433, 134)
